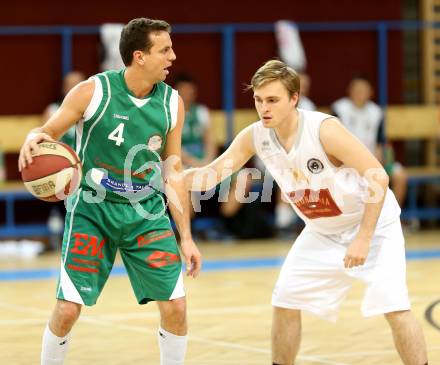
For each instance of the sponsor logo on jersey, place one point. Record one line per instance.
(162, 258)
(119, 116)
(265, 146)
(87, 245)
(153, 236)
(139, 174)
(154, 143)
(315, 203)
(315, 166)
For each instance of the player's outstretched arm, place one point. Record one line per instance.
(70, 111)
(178, 195)
(235, 157)
(341, 145)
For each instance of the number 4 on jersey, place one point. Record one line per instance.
(116, 135)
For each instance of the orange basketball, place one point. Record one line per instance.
(55, 172)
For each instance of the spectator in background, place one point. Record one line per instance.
(55, 219)
(365, 119)
(244, 216)
(69, 81)
(198, 143)
(304, 100)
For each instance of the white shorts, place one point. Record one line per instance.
(313, 277)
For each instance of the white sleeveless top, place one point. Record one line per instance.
(363, 122)
(329, 199)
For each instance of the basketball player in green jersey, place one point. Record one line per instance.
(127, 123)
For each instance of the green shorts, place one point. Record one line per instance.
(95, 231)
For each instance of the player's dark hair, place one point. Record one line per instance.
(135, 36)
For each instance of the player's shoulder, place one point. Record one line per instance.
(256, 126)
(256, 131)
(164, 87)
(310, 116)
(81, 93)
(111, 73)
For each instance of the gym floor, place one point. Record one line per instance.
(229, 312)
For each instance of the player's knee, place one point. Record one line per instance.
(178, 308)
(67, 312)
(174, 310)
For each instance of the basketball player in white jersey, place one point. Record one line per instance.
(341, 192)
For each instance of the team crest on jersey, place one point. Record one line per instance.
(315, 166)
(154, 143)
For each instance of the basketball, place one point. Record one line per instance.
(55, 172)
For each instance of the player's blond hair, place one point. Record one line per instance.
(276, 70)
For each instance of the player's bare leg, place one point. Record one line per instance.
(64, 316)
(286, 335)
(408, 337)
(56, 336)
(172, 332)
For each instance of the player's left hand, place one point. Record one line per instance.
(356, 253)
(193, 258)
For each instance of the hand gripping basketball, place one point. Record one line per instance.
(55, 171)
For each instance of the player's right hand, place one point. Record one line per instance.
(193, 258)
(31, 144)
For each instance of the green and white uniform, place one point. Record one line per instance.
(196, 121)
(119, 204)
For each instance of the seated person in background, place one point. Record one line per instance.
(304, 100)
(69, 81)
(245, 220)
(365, 119)
(198, 142)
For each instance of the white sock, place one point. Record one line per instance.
(172, 348)
(54, 348)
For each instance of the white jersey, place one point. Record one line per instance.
(362, 122)
(329, 199)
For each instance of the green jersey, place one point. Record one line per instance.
(69, 137)
(196, 121)
(122, 137)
